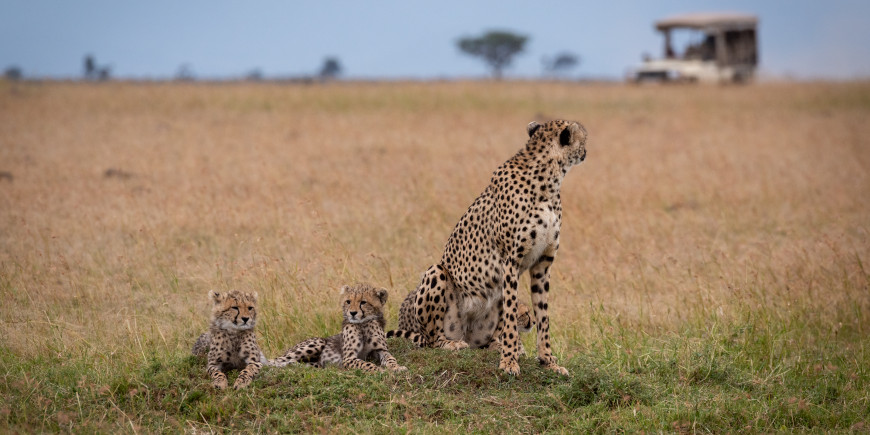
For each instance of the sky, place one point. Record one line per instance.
(802, 39)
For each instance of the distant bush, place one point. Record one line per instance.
(13, 73)
(93, 71)
(330, 69)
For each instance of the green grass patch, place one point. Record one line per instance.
(725, 378)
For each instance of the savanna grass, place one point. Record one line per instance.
(712, 275)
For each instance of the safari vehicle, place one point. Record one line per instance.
(719, 48)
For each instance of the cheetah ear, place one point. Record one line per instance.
(565, 137)
(254, 296)
(344, 289)
(533, 127)
(215, 296)
(381, 293)
(572, 133)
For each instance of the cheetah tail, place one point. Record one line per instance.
(201, 347)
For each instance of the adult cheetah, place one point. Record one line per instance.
(410, 329)
(512, 227)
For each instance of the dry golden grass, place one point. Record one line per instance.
(693, 202)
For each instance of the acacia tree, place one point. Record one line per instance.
(562, 62)
(496, 48)
(185, 73)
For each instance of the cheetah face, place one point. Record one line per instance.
(234, 310)
(565, 140)
(362, 303)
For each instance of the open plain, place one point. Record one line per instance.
(712, 276)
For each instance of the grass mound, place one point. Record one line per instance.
(696, 381)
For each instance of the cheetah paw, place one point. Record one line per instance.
(239, 384)
(454, 345)
(220, 384)
(399, 369)
(510, 366)
(558, 369)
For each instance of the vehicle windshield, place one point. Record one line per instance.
(691, 44)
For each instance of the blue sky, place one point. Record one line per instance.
(402, 39)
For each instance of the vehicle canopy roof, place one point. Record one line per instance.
(707, 20)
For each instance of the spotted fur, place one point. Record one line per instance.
(525, 323)
(409, 327)
(470, 296)
(362, 335)
(230, 342)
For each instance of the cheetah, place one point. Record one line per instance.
(409, 327)
(362, 334)
(525, 323)
(511, 228)
(230, 342)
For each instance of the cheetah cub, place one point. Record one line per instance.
(230, 342)
(362, 335)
